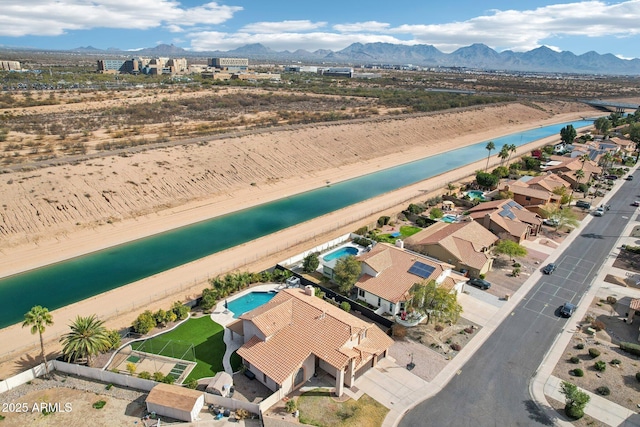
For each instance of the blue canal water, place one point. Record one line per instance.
(248, 302)
(60, 284)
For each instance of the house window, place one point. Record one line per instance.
(527, 198)
(361, 293)
(379, 302)
(264, 377)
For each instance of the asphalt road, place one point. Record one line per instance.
(492, 389)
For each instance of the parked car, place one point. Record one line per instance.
(480, 283)
(599, 211)
(636, 203)
(549, 268)
(567, 309)
(550, 222)
(629, 178)
(612, 177)
(583, 204)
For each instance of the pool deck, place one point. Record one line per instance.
(224, 317)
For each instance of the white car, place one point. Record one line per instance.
(599, 211)
(550, 222)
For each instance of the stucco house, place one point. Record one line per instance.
(507, 219)
(465, 245)
(290, 338)
(389, 272)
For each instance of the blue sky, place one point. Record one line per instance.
(198, 25)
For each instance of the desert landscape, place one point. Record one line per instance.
(58, 206)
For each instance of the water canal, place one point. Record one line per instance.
(78, 278)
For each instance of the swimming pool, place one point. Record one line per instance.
(248, 302)
(339, 253)
(449, 218)
(476, 194)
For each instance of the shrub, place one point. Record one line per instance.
(574, 359)
(603, 390)
(611, 300)
(181, 311)
(109, 386)
(630, 347)
(577, 372)
(311, 263)
(345, 306)
(516, 265)
(169, 379)
(192, 384)
(290, 406)
(580, 346)
(456, 347)
(438, 328)
(242, 414)
(144, 322)
(574, 412)
(99, 404)
(399, 330)
(158, 376)
(145, 375)
(600, 365)
(616, 362)
(598, 325)
(594, 352)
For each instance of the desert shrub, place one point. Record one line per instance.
(290, 406)
(577, 372)
(192, 383)
(144, 322)
(399, 331)
(145, 375)
(594, 352)
(158, 376)
(601, 365)
(456, 347)
(603, 390)
(181, 311)
(574, 412)
(598, 325)
(383, 220)
(99, 404)
(630, 347)
(580, 346)
(516, 265)
(169, 379)
(242, 414)
(616, 362)
(611, 300)
(362, 231)
(574, 359)
(438, 328)
(345, 306)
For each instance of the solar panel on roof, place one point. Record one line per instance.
(421, 270)
(506, 213)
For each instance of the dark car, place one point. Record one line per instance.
(629, 178)
(549, 268)
(583, 204)
(567, 309)
(612, 177)
(480, 283)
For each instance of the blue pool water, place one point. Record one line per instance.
(342, 252)
(476, 195)
(248, 302)
(449, 218)
(72, 280)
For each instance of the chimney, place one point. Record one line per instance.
(400, 243)
(308, 290)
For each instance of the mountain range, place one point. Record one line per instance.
(476, 56)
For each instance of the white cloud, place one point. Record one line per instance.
(55, 17)
(282, 27)
(369, 27)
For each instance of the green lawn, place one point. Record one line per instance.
(207, 339)
(405, 231)
(317, 407)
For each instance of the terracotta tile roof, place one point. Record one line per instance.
(271, 317)
(623, 142)
(173, 396)
(574, 164)
(531, 192)
(635, 304)
(465, 241)
(520, 213)
(393, 284)
(377, 260)
(315, 327)
(549, 182)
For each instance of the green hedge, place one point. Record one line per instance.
(630, 347)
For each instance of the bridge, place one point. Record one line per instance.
(620, 107)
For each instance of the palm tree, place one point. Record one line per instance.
(512, 150)
(87, 338)
(490, 147)
(504, 153)
(39, 318)
(579, 176)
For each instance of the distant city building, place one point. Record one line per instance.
(10, 65)
(300, 69)
(229, 64)
(338, 72)
(151, 66)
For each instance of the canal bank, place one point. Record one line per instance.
(189, 279)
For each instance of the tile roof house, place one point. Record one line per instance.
(566, 168)
(296, 333)
(464, 244)
(507, 219)
(534, 193)
(389, 272)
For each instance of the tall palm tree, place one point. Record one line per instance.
(512, 150)
(503, 154)
(87, 338)
(38, 318)
(579, 176)
(490, 147)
